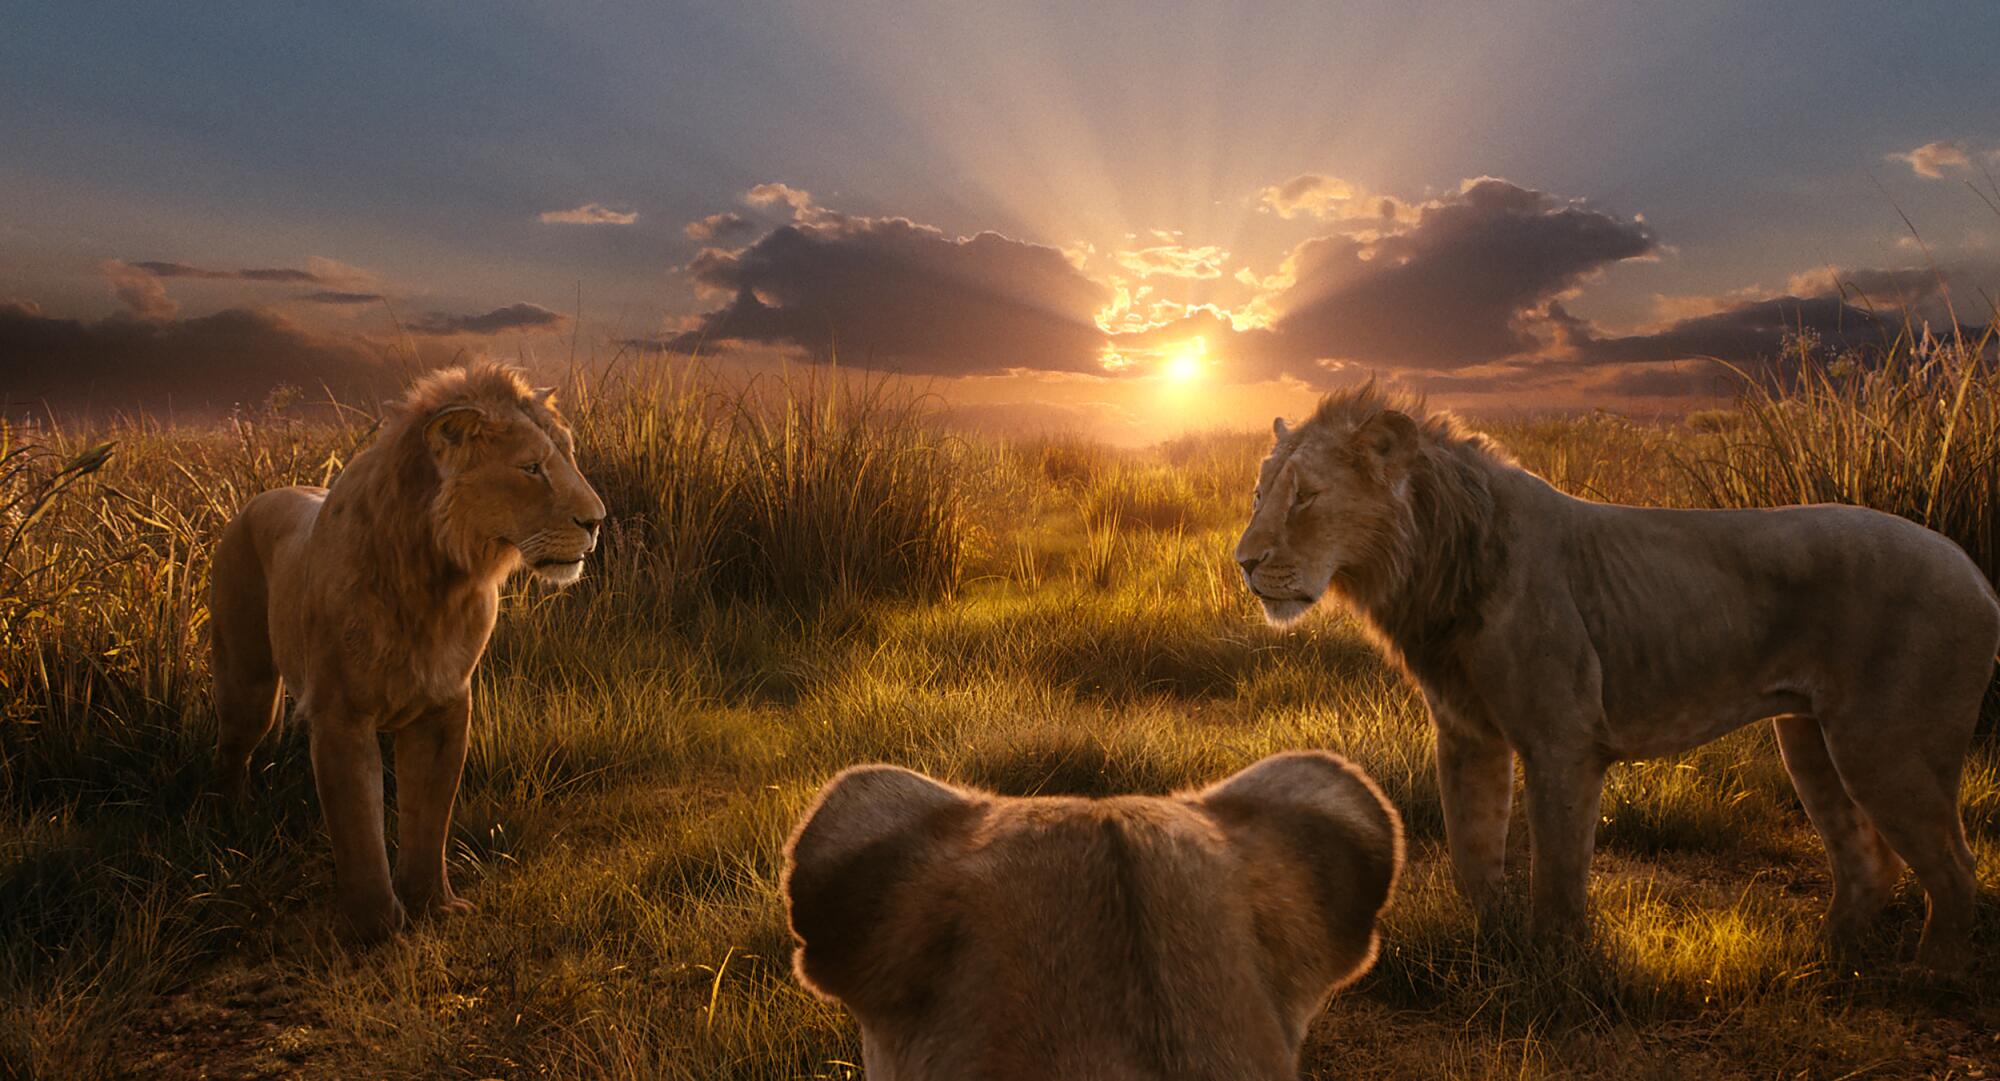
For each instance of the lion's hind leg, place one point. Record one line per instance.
(246, 708)
(1906, 778)
(1865, 868)
(247, 688)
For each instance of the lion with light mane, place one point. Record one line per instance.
(1183, 938)
(1576, 634)
(371, 603)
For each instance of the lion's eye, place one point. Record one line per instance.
(1304, 500)
(533, 469)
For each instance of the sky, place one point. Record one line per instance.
(1124, 219)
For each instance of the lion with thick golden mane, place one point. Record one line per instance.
(1576, 634)
(1190, 937)
(371, 603)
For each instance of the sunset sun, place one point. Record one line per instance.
(1186, 362)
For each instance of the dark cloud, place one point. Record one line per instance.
(1939, 294)
(500, 320)
(724, 225)
(1463, 280)
(1748, 332)
(259, 274)
(337, 298)
(1462, 293)
(890, 293)
(140, 285)
(189, 365)
(1469, 283)
(1684, 379)
(1858, 312)
(1473, 280)
(1492, 379)
(1874, 286)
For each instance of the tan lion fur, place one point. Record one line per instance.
(1578, 634)
(371, 602)
(1192, 937)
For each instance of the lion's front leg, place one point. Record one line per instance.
(347, 771)
(430, 758)
(1476, 786)
(1565, 787)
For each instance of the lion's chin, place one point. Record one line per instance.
(559, 574)
(1284, 613)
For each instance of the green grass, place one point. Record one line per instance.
(803, 576)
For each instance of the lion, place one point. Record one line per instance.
(1194, 937)
(1577, 634)
(371, 603)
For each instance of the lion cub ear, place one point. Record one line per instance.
(1390, 439)
(848, 867)
(453, 426)
(1323, 848)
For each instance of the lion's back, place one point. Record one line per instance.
(1832, 563)
(1696, 616)
(272, 529)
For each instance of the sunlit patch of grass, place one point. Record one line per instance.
(638, 954)
(1146, 497)
(1979, 792)
(1731, 793)
(1691, 951)
(1676, 966)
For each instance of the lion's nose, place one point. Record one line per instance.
(1250, 565)
(589, 525)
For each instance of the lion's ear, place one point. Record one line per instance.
(1279, 428)
(871, 833)
(1323, 848)
(545, 395)
(453, 426)
(1390, 438)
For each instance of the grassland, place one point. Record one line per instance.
(800, 577)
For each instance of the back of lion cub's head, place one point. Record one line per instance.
(494, 462)
(1194, 936)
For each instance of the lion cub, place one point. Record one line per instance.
(1194, 936)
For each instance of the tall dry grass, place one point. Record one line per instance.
(1912, 428)
(785, 491)
(801, 574)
